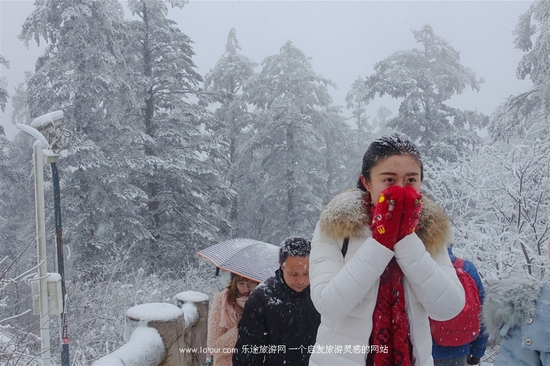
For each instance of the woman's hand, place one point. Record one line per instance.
(412, 205)
(386, 217)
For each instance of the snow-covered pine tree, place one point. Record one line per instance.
(80, 73)
(522, 111)
(290, 178)
(357, 104)
(233, 123)
(424, 79)
(171, 164)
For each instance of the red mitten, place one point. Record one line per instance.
(412, 205)
(386, 216)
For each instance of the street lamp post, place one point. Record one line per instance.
(41, 244)
(43, 149)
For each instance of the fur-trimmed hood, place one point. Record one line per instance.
(346, 215)
(508, 303)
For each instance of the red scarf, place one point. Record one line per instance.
(390, 342)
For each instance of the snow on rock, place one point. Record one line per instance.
(161, 311)
(140, 315)
(190, 314)
(145, 347)
(187, 300)
(191, 296)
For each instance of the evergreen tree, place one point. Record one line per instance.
(233, 123)
(523, 111)
(138, 173)
(357, 104)
(424, 79)
(342, 154)
(173, 163)
(20, 113)
(381, 120)
(290, 179)
(79, 72)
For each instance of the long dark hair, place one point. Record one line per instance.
(384, 147)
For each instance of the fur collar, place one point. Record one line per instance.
(347, 216)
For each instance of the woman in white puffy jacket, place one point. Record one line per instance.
(379, 265)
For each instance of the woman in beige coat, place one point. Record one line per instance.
(223, 320)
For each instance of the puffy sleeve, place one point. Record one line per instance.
(218, 336)
(432, 278)
(338, 287)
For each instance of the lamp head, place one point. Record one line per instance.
(50, 124)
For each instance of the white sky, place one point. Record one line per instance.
(344, 39)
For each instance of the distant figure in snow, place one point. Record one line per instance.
(380, 267)
(223, 319)
(279, 321)
(470, 353)
(517, 315)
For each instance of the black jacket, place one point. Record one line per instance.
(278, 326)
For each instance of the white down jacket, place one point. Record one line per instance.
(344, 289)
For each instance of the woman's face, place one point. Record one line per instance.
(245, 287)
(402, 170)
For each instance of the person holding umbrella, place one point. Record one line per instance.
(223, 319)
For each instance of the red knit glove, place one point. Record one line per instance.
(386, 216)
(412, 205)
